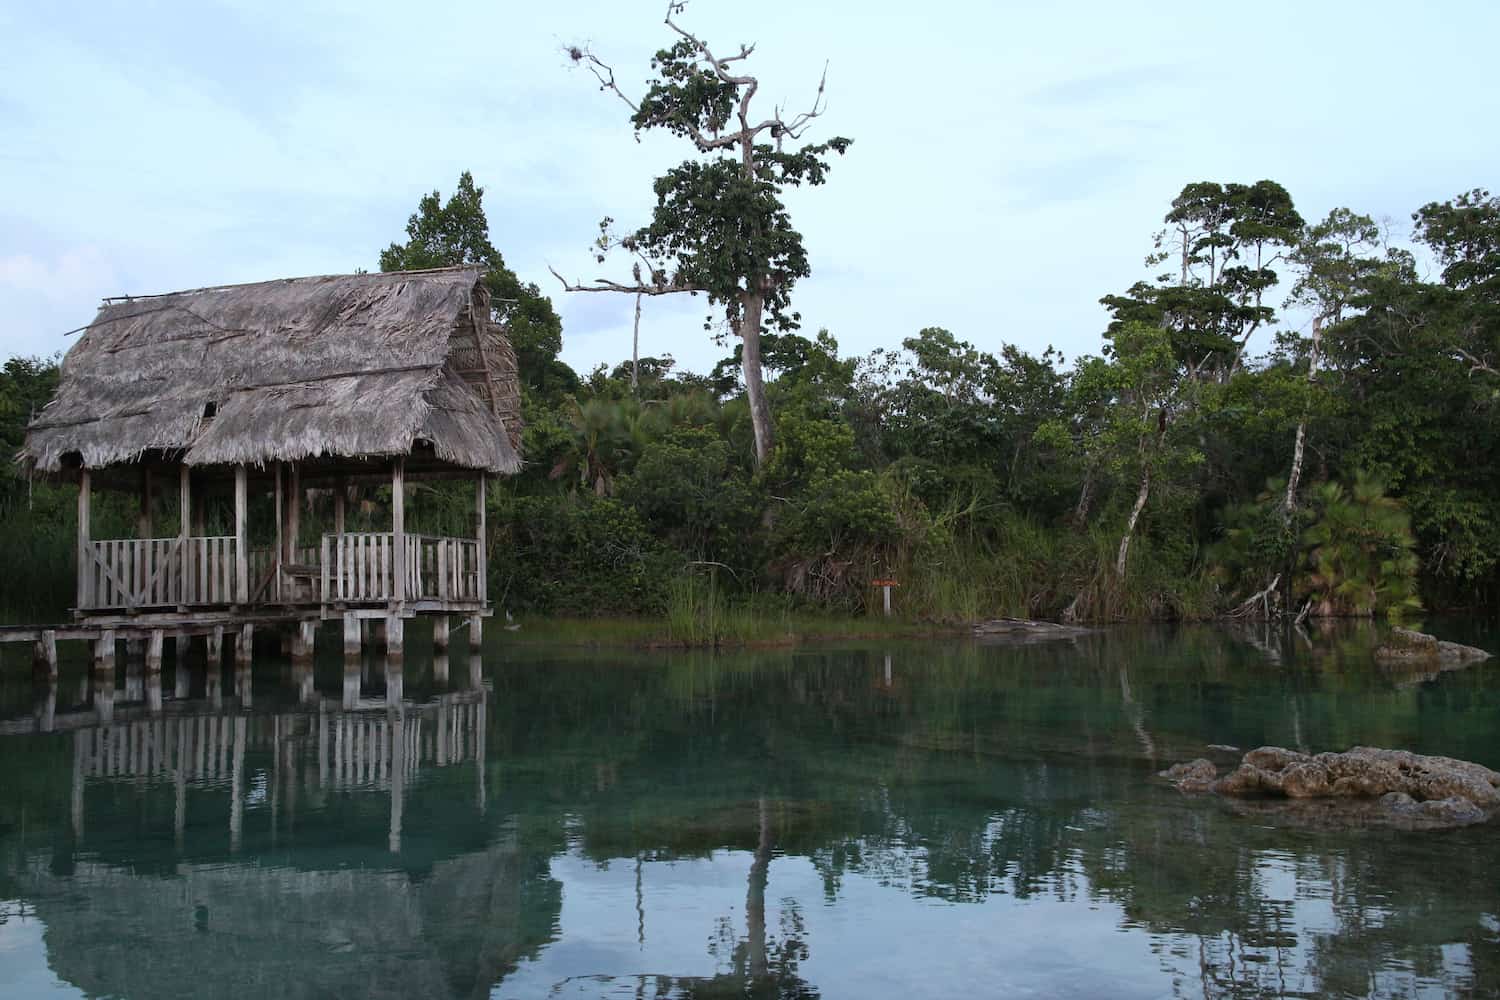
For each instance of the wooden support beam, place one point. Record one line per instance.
(480, 533)
(244, 646)
(395, 636)
(293, 512)
(351, 635)
(241, 544)
(440, 627)
(153, 651)
(398, 528)
(278, 553)
(216, 647)
(302, 641)
(143, 519)
(104, 652)
(44, 655)
(440, 667)
(85, 544)
(476, 633)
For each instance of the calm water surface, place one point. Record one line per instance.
(890, 820)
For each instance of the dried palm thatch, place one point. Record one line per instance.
(357, 366)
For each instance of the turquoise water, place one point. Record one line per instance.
(874, 820)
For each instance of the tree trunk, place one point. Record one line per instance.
(751, 306)
(1085, 500)
(635, 350)
(1135, 515)
(1289, 505)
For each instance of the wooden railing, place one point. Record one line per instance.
(355, 568)
(133, 573)
(361, 567)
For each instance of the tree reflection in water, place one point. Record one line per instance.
(311, 843)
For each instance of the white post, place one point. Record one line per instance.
(887, 589)
(351, 636)
(398, 528)
(184, 517)
(241, 546)
(479, 534)
(85, 544)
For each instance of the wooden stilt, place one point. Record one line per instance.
(476, 632)
(302, 641)
(351, 636)
(216, 647)
(104, 652)
(153, 651)
(440, 628)
(44, 654)
(244, 645)
(440, 667)
(153, 692)
(395, 636)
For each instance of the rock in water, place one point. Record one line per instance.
(1391, 786)
(1403, 645)
(1026, 629)
(1194, 776)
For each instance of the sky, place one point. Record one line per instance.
(1010, 161)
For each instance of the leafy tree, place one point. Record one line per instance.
(456, 232)
(1360, 552)
(719, 227)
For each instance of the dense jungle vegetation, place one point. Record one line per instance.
(1349, 467)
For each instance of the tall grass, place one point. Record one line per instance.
(700, 613)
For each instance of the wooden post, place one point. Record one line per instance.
(153, 693)
(44, 655)
(302, 642)
(184, 519)
(143, 520)
(241, 547)
(153, 651)
(293, 511)
(395, 643)
(85, 543)
(340, 491)
(279, 550)
(216, 647)
(244, 645)
(440, 667)
(398, 527)
(104, 652)
(479, 533)
(440, 626)
(351, 636)
(476, 633)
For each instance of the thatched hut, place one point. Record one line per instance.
(291, 388)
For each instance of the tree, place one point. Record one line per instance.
(1226, 240)
(1332, 260)
(455, 233)
(719, 226)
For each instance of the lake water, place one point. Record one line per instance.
(899, 819)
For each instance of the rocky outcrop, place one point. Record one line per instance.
(1396, 787)
(1403, 645)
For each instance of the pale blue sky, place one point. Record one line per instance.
(1010, 162)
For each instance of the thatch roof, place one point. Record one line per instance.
(356, 366)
